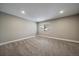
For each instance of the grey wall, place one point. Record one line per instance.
(66, 27)
(12, 28)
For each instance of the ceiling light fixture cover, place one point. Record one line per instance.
(61, 11)
(23, 12)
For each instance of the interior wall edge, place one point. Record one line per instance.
(16, 16)
(4, 43)
(37, 28)
(68, 40)
(58, 18)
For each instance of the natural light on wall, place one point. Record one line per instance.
(44, 27)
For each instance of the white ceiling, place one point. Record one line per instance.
(40, 11)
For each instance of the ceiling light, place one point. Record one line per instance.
(23, 12)
(61, 11)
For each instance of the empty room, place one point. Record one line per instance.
(39, 29)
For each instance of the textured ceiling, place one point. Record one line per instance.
(40, 11)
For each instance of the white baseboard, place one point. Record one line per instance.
(69, 40)
(40, 36)
(16, 40)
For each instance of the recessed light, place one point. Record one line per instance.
(61, 11)
(23, 12)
